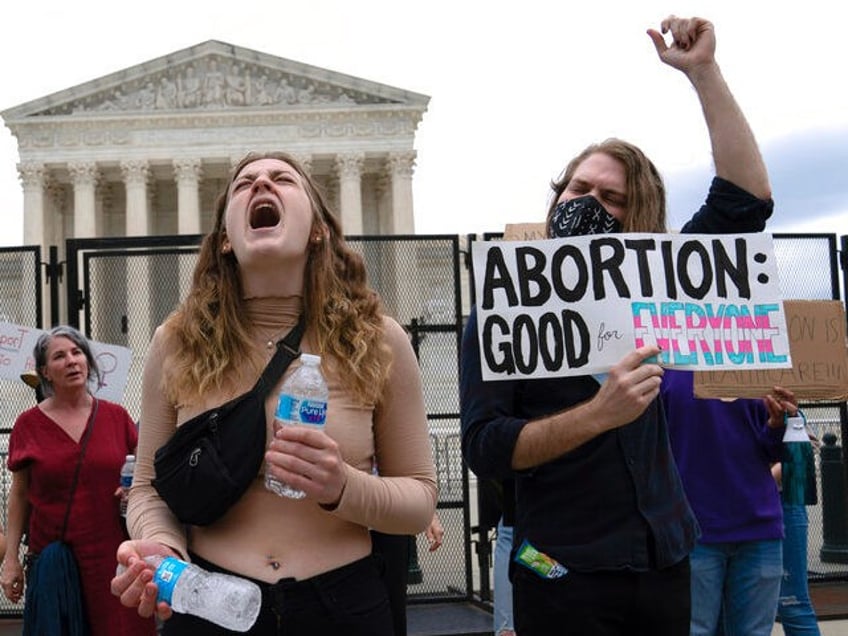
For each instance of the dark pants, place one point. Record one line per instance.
(394, 549)
(653, 603)
(349, 600)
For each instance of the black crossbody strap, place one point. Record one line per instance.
(287, 350)
(88, 428)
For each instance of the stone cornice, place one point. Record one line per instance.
(207, 119)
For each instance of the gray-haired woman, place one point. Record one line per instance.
(45, 447)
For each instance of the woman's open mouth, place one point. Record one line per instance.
(264, 214)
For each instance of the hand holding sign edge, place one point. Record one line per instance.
(631, 385)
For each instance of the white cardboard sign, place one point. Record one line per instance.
(559, 307)
(16, 345)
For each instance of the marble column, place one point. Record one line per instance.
(57, 229)
(136, 175)
(386, 265)
(383, 190)
(55, 214)
(33, 178)
(104, 198)
(401, 166)
(188, 173)
(349, 171)
(84, 176)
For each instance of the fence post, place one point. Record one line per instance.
(414, 567)
(54, 279)
(834, 506)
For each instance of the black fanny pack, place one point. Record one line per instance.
(212, 459)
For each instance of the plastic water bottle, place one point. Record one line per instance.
(127, 471)
(798, 475)
(226, 600)
(303, 401)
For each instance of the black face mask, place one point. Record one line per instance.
(581, 217)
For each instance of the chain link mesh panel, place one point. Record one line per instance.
(807, 266)
(20, 304)
(144, 287)
(20, 285)
(131, 285)
(808, 270)
(416, 279)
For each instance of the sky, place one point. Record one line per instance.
(516, 89)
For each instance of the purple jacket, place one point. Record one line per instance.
(724, 451)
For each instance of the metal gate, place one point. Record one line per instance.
(119, 290)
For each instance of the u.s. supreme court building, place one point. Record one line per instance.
(145, 150)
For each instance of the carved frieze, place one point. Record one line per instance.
(227, 126)
(69, 136)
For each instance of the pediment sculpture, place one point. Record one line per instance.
(214, 83)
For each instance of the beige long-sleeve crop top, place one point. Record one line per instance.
(268, 537)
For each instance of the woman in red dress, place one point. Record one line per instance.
(44, 449)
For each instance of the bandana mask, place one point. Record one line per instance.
(581, 217)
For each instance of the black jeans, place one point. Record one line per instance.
(350, 600)
(618, 603)
(393, 550)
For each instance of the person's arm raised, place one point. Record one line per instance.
(628, 390)
(736, 154)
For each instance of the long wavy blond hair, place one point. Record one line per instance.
(344, 314)
(645, 188)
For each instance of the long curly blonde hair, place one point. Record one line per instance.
(344, 315)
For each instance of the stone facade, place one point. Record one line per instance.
(145, 151)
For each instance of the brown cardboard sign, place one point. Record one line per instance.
(819, 350)
(525, 232)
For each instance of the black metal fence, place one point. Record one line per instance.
(118, 291)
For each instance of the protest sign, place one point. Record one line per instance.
(524, 231)
(817, 342)
(17, 343)
(576, 306)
